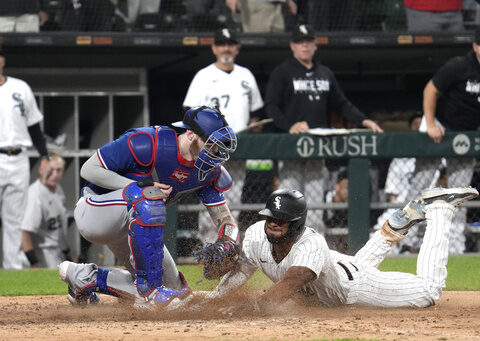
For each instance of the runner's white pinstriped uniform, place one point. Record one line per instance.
(342, 279)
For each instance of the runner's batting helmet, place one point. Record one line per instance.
(288, 205)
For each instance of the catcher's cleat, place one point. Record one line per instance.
(452, 196)
(74, 297)
(396, 227)
(163, 296)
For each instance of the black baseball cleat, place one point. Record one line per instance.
(452, 196)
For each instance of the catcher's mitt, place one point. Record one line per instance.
(218, 258)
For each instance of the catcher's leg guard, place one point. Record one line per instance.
(146, 235)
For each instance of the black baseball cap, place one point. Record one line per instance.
(477, 36)
(2, 52)
(224, 35)
(301, 32)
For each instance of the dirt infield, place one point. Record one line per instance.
(456, 317)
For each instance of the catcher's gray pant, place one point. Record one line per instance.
(104, 219)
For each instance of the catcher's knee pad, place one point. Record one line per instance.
(146, 234)
(146, 202)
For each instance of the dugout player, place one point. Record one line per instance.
(131, 180)
(297, 259)
(45, 220)
(301, 94)
(225, 85)
(233, 89)
(451, 100)
(19, 127)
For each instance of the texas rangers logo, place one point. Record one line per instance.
(179, 175)
(277, 203)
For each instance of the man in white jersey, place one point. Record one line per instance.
(296, 258)
(19, 127)
(45, 220)
(225, 85)
(234, 91)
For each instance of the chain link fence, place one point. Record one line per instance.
(325, 185)
(203, 15)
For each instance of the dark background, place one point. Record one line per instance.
(379, 72)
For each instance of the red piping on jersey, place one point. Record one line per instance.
(101, 160)
(214, 178)
(118, 203)
(154, 157)
(135, 156)
(108, 288)
(130, 244)
(181, 160)
(216, 204)
(215, 184)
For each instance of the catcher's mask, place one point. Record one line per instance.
(220, 140)
(287, 205)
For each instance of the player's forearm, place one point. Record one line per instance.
(430, 95)
(221, 216)
(295, 278)
(29, 249)
(27, 243)
(93, 171)
(231, 282)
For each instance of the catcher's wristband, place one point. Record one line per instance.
(32, 257)
(230, 232)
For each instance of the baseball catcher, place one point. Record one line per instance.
(131, 181)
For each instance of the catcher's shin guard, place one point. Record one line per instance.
(146, 234)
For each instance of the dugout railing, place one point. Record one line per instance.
(359, 148)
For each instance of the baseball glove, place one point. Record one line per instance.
(218, 258)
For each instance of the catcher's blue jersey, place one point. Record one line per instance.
(141, 151)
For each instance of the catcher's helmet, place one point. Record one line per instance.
(288, 205)
(220, 140)
(202, 120)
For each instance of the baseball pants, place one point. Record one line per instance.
(15, 170)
